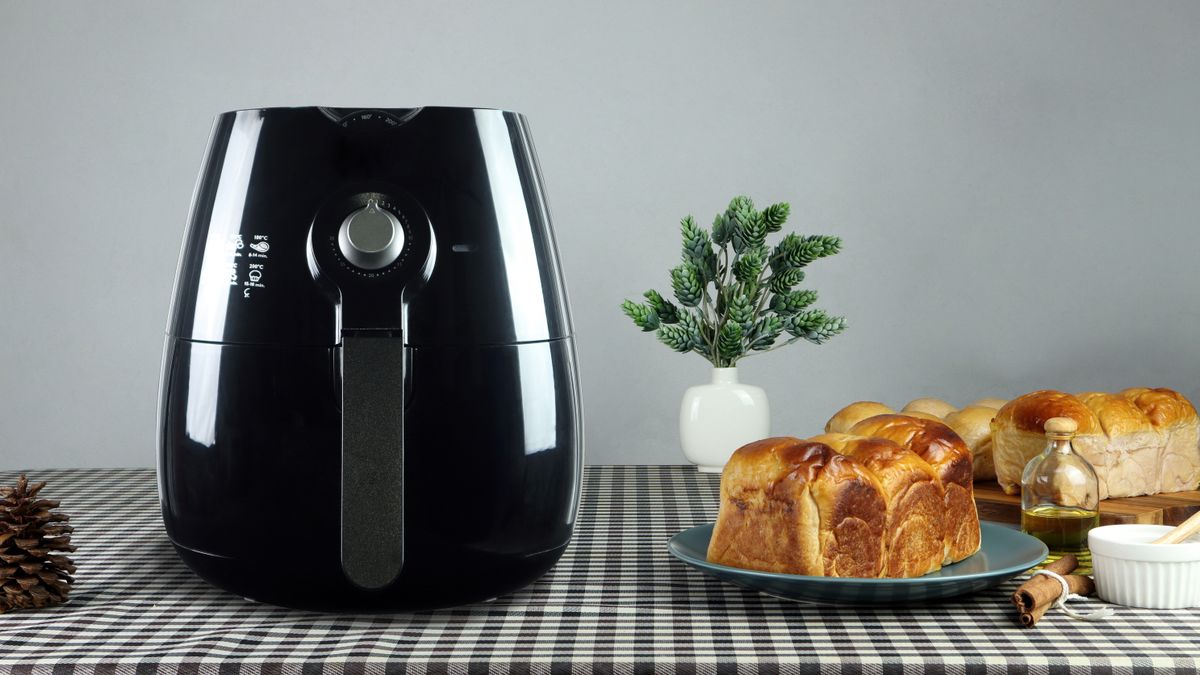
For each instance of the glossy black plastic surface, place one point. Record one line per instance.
(250, 483)
(468, 178)
(285, 473)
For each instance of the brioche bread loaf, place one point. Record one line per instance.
(950, 459)
(913, 534)
(1175, 419)
(798, 507)
(892, 499)
(1127, 453)
(1140, 441)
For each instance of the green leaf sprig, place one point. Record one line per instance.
(736, 295)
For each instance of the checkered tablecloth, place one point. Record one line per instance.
(617, 601)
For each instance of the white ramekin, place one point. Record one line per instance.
(1129, 570)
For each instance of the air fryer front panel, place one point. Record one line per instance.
(469, 176)
(370, 395)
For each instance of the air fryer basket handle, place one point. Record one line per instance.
(372, 517)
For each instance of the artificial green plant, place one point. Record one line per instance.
(738, 296)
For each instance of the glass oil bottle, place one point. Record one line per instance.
(1060, 499)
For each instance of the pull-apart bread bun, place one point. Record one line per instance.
(1140, 442)
(919, 415)
(847, 417)
(931, 406)
(913, 534)
(973, 424)
(950, 459)
(996, 403)
(798, 507)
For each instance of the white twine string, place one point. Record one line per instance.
(1061, 603)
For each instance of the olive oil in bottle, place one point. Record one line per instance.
(1060, 496)
(1064, 530)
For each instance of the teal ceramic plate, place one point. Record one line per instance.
(1004, 554)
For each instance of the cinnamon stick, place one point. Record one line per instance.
(1078, 584)
(1041, 589)
(1035, 597)
(1030, 619)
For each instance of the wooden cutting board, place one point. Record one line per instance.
(1163, 509)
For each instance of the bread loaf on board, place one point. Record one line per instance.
(1176, 420)
(950, 459)
(1140, 441)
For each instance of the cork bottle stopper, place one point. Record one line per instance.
(1061, 426)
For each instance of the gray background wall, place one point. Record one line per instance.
(1016, 183)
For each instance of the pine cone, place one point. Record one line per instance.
(33, 570)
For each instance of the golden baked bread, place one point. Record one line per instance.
(854, 413)
(1141, 441)
(974, 425)
(950, 458)
(928, 409)
(1018, 434)
(932, 406)
(1128, 454)
(914, 542)
(996, 403)
(798, 507)
(1175, 418)
(920, 415)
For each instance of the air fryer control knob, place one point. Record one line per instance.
(371, 237)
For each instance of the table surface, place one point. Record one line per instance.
(617, 601)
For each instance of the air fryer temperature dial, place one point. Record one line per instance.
(368, 248)
(371, 238)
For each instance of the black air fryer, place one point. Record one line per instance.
(369, 397)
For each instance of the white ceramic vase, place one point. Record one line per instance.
(716, 419)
